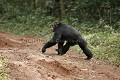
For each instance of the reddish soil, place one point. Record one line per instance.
(26, 62)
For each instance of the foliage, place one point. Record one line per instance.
(81, 10)
(3, 74)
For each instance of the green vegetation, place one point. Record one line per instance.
(97, 20)
(3, 75)
(106, 46)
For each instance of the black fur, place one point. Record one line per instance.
(62, 33)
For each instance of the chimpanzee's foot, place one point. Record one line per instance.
(60, 54)
(59, 51)
(56, 50)
(88, 58)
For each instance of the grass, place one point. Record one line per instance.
(3, 74)
(106, 46)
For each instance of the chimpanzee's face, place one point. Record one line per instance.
(55, 25)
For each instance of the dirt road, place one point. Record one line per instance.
(26, 62)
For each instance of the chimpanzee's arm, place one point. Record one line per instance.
(52, 42)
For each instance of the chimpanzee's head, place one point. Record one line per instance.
(55, 26)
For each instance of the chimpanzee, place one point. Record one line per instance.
(62, 33)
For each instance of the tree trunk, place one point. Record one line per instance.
(62, 11)
(34, 5)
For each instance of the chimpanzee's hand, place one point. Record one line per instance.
(43, 50)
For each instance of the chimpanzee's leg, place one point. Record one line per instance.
(60, 47)
(83, 45)
(66, 47)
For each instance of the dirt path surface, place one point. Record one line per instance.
(26, 62)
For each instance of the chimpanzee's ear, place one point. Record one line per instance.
(58, 24)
